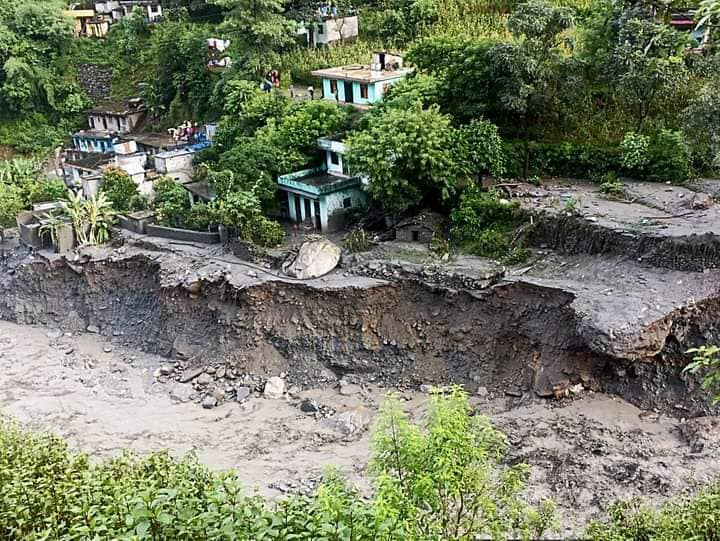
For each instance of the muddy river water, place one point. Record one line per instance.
(585, 451)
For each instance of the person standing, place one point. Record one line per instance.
(311, 92)
(292, 91)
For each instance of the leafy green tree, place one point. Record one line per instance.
(447, 482)
(701, 123)
(121, 191)
(242, 211)
(646, 68)
(400, 22)
(407, 156)
(526, 69)
(259, 30)
(481, 148)
(172, 202)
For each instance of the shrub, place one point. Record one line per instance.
(357, 240)
(707, 362)
(172, 202)
(669, 158)
(121, 191)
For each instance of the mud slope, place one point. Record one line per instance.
(513, 337)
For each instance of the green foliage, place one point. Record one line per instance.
(662, 157)
(483, 222)
(701, 124)
(441, 247)
(357, 240)
(242, 212)
(172, 202)
(91, 218)
(669, 158)
(610, 185)
(11, 204)
(407, 154)
(444, 480)
(121, 191)
(635, 151)
(260, 32)
(480, 146)
(684, 518)
(706, 362)
(448, 482)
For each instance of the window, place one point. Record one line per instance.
(334, 158)
(347, 203)
(364, 91)
(416, 236)
(333, 86)
(104, 123)
(92, 122)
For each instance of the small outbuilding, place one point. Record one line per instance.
(420, 228)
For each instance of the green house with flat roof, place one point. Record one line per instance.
(323, 195)
(359, 84)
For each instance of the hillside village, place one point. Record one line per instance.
(465, 251)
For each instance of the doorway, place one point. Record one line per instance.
(298, 213)
(307, 208)
(318, 224)
(348, 92)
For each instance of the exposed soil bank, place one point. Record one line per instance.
(583, 453)
(531, 333)
(675, 227)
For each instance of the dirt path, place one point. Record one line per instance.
(103, 398)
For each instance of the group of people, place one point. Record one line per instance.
(272, 80)
(187, 131)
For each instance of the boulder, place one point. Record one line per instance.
(351, 422)
(314, 258)
(274, 387)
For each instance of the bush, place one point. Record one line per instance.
(685, 518)
(567, 159)
(483, 223)
(172, 203)
(635, 151)
(669, 158)
(121, 191)
(357, 240)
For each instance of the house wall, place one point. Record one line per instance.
(376, 91)
(405, 234)
(93, 144)
(335, 30)
(175, 163)
(332, 209)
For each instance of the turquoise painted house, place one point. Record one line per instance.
(359, 84)
(323, 195)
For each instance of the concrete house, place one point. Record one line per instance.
(420, 228)
(93, 141)
(362, 84)
(329, 29)
(323, 195)
(119, 118)
(176, 164)
(117, 9)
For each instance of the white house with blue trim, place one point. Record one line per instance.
(323, 195)
(360, 84)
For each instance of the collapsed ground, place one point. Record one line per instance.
(613, 294)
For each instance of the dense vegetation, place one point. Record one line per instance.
(579, 88)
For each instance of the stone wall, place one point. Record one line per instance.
(95, 80)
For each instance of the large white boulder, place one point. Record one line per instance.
(315, 258)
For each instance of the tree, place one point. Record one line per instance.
(448, 482)
(121, 191)
(701, 123)
(259, 30)
(480, 146)
(526, 70)
(407, 155)
(646, 68)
